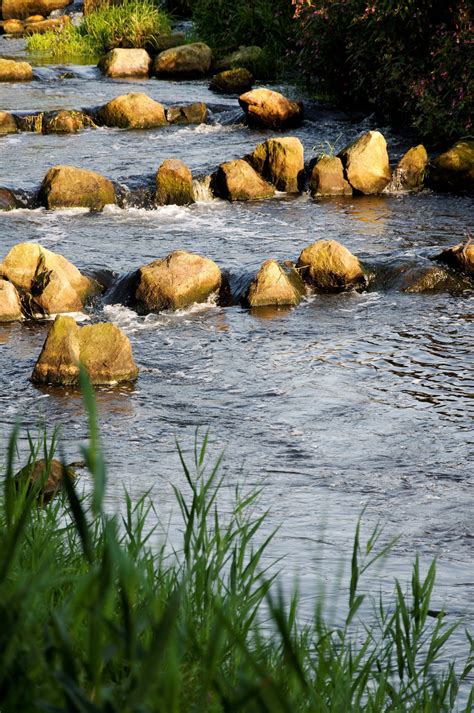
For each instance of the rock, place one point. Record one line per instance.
(11, 71)
(433, 278)
(8, 200)
(31, 122)
(7, 123)
(328, 265)
(410, 172)
(264, 107)
(53, 24)
(159, 43)
(453, 170)
(52, 282)
(460, 257)
(174, 184)
(21, 9)
(70, 187)
(133, 111)
(13, 27)
(238, 181)
(102, 348)
(48, 476)
(281, 161)
(126, 63)
(366, 163)
(188, 114)
(34, 18)
(327, 178)
(275, 285)
(10, 305)
(176, 281)
(247, 57)
(193, 60)
(232, 81)
(67, 122)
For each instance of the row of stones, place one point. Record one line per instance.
(35, 25)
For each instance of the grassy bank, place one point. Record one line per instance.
(95, 618)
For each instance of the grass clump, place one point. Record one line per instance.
(95, 618)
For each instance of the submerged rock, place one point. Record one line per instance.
(11, 71)
(433, 278)
(48, 476)
(248, 57)
(133, 111)
(327, 178)
(281, 161)
(275, 285)
(71, 187)
(10, 305)
(238, 181)
(460, 257)
(264, 107)
(7, 123)
(174, 184)
(176, 281)
(122, 62)
(187, 114)
(453, 170)
(67, 122)
(103, 349)
(327, 265)
(366, 163)
(232, 81)
(187, 61)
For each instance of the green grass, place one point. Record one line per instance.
(96, 617)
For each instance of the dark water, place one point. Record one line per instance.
(348, 401)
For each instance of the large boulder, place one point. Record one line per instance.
(126, 63)
(327, 178)
(11, 71)
(103, 349)
(238, 181)
(409, 174)
(327, 265)
(187, 114)
(281, 161)
(67, 122)
(133, 111)
(21, 9)
(176, 281)
(10, 305)
(7, 123)
(71, 187)
(52, 283)
(275, 284)
(460, 257)
(264, 107)
(232, 81)
(47, 476)
(453, 170)
(248, 57)
(366, 163)
(174, 184)
(193, 60)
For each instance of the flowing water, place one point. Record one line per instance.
(348, 401)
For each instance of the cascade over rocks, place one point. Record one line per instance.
(10, 305)
(7, 123)
(21, 9)
(71, 187)
(232, 81)
(133, 111)
(238, 181)
(327, 265)
(275, 284)
(247, 57)
(176, 281)
(327, 178)
(122, 62)
(187, 61)
(12, 71)
(460, 257)
(67, 122)
(187, 114)
(281, 161)
(102, 348)
(174, 184)
(48, 475)
(264, 107)
(410, 171)
(453, 170)
(366, 163)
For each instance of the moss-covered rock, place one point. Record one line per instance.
(187, 114)
(126, 63)
(248, 57)
(329, 266)
(453, 170)
(275, 284)
(176, 281)
(460, 257)
(366, 163)
(47, 476)
(327, 178)
(232, 81)
(7, 123)
(238, 181)
(174, 184)
(71, 187)
(410, 172)
(264, 107)
(187, 61)
(133, 111)
(67, 122)
(10, 305)
(21, 9)
(11, 71)
(281, 161)
(31, 122)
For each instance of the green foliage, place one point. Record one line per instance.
(96, 617)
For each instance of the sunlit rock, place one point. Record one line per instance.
(193, 60)
(122, 62)
(366, 163)
(264, 107)
(238, 181)
(71, 187)
(327, 265)
(174, 183)
(275, 284)
(327, 178)
(133, 111)
(280, 161)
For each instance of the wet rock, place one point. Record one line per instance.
(174, 184)
(31, 122)
(247, 57)
(232, 81)
(281, 161)
(409, 174)
(71, 187)
(13, 27)
(187, 61)
(264, 107)
(453, 170)
(238, 181)
(176, 281)
(187, 114)
(460, 257)
(21, 9)
(433, 278)
(52, 284)
(8, 200)
(126, 63)
(7, 123)
(102, 348)
(67, 122)
(327, 178)
(275, 285)
(48, 476)
(366, 163)
(133, 111)
(160, 43)
(10, 305)
(11, 71)
(53, 24)
(327, 265)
